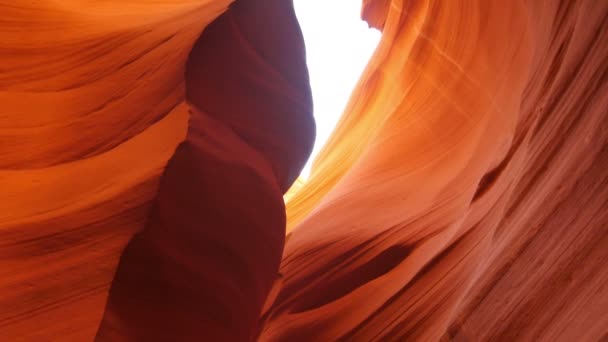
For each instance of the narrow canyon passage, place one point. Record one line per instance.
(145, 147)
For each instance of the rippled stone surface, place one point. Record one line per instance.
(462, 196)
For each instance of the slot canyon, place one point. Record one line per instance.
(150, 153)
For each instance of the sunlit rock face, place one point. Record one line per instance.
(463, 195)
(142, 168)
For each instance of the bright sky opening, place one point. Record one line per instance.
(338, 46)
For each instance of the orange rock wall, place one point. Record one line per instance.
(93, 106)
(463, 195)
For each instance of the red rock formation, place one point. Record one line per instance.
(210, 251)
(463, 195)
(92, 108)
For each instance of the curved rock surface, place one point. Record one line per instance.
(210, 251)
(463, 195)
(86, 135)
(93, 107)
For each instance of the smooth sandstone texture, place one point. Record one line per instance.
(92, 97)
(463, 195)
(211, 248)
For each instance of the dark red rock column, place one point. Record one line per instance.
(207, 258)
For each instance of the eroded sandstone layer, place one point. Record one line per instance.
(463, 196)
(210, 251)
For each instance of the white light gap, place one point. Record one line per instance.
(338, 47)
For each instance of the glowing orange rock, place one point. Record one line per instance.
(462, 196)
(92, 108)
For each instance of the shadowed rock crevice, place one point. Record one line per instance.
(346, 283)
